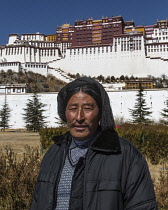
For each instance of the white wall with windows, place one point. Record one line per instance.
(14, 66)
(157, 50)
(13, 89)
(111, 61)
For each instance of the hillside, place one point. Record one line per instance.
(35, 81)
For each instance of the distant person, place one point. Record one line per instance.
(91, 167)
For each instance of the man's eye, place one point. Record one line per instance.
(88, 108)
(72, 109)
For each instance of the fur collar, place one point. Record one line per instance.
(105, 141)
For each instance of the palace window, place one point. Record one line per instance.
(18, 90)
(98, 49)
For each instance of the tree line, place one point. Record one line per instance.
(35, 120)
(160, 82)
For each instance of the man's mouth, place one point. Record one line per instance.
(80, 127)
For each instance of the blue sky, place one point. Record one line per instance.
(44, 16)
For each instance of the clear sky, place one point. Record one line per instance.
(31, 16)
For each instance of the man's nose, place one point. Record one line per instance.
(80, 117)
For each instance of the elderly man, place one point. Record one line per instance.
(91, 167)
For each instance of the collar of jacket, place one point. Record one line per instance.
(105, 141)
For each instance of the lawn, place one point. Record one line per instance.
(17, 140)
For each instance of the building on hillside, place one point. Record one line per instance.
(134, 84)
(13, 88)
(132, 29)
(64, 37)
(51, 37)
(97, 32)
(30, 52)
(130, 84)
(109, 46)
(157, 40)
(133, 50)
(13, 38)
(89, 32)
(114, 86)
(14, 66)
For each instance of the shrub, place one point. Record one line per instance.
(151, 140)
(46, 135)
(18, 177)
(161, 188)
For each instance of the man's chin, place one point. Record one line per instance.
(80, 136)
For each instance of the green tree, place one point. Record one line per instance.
(164, 114)
(108, 79)
(33, 116)
(77, 75)
(140, 113)
(100, 78)
(132, 78)
(5, 115)
(122, 77)
(113, 79)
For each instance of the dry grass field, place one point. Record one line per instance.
(17, 140)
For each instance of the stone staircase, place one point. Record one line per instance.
(159, 58)
(60, 74)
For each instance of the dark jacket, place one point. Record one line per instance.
(116, 176)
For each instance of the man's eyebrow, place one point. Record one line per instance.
(85, 104)
(72, 104)
(88, 104)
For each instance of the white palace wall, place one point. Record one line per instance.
(130, 58)
(121, 101)
(14, 66)
(111, 63)
(28, 54)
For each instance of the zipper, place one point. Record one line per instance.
(84, 179)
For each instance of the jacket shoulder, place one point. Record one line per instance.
(131, 156)
(51, 153)
(61, 138)
(127, 146)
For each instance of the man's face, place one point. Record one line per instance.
(82, 114)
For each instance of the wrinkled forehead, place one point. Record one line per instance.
(91, 91)
(81, 98)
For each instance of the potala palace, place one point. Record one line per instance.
(108, 47)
